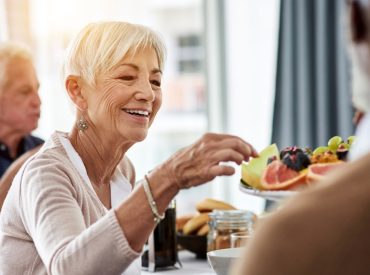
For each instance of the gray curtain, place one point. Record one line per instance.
(312, 101)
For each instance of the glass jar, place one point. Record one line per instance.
(223, 223)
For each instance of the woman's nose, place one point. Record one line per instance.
(145, 91)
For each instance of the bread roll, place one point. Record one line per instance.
(208, 205)
(195, 223)
(203, 230)
(181, 221)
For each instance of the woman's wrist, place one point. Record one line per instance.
(152, 203)
(163, 177)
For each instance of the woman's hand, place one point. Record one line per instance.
(205, 159)
(191, 166)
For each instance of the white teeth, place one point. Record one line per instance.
(138, 112)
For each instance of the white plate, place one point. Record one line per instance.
(269, 195)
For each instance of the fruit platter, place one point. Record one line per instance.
(276, 174)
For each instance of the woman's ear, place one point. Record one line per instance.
(74, 88)
(358, 21)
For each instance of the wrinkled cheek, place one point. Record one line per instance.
(106, 110)
(112, 115)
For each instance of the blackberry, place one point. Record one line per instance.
(303, 160)
(297, 161)
(290, 161)
(290, 150)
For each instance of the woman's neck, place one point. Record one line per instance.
(100, 156)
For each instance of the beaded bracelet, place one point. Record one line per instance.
(152, 203)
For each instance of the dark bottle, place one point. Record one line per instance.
(161, 249)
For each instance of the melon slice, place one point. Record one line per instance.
(252, 170)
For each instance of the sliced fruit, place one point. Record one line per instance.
(278, 176)
(252, 170)
(318, 171)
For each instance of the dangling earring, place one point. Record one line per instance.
(82, 124)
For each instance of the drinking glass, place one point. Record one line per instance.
(239, 239)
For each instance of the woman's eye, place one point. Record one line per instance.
(127, 77)
(156, 83)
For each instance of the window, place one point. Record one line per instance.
(190, 54)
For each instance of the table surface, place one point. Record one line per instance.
(190, 265)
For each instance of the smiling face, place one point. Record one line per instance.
(19, 98)
(124, 101)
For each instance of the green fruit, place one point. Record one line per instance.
(351, 139)
(252, 170)
(334, 142)
(320, 150)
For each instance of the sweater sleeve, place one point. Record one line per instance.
(55, 221)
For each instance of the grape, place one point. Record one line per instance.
(351, 139)
(320, 149)
(334, 142)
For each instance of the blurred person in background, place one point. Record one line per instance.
(19, 108)
(325, 230)
(71, 208)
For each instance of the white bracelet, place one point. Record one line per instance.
(151, 201)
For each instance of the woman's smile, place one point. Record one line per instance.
(138, 115)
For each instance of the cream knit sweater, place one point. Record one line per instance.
(52, 222)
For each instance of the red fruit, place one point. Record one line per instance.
(278, 176)
(319, 170)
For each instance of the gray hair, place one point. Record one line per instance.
(99, 47)
(10, 51)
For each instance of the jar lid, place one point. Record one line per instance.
(233, 215)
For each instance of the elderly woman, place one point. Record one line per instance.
(69, 210)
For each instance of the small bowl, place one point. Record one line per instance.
(194, 244)
(222, 259)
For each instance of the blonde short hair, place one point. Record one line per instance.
(8, 52)
(99, 47)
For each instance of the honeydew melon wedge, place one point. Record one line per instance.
(252, 170)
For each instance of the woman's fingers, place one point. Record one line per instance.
(215, 142)
(221, 170)
(227, 155)
(206, 159)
